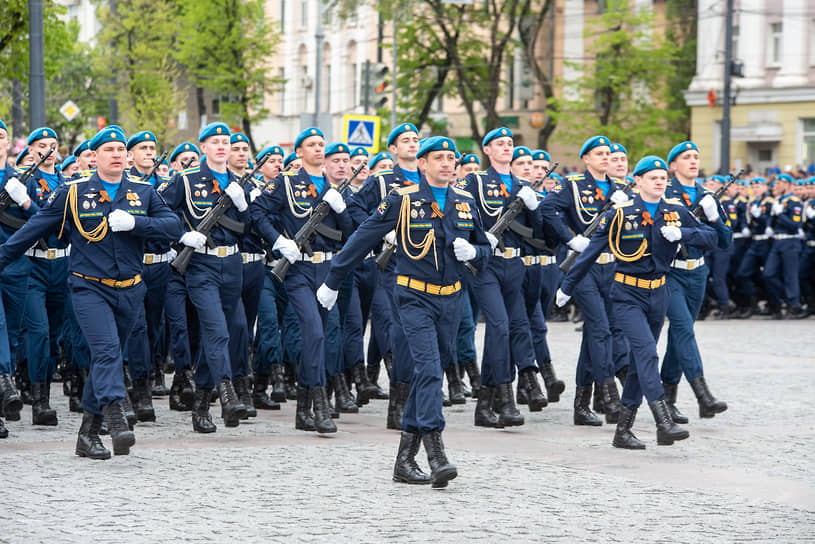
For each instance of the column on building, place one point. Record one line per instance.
(752, 32)
(709, 39)
(793, 54)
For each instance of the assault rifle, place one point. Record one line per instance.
(6, 201)
(156, 163)
(697, 209)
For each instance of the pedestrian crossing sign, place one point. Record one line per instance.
(362, 131)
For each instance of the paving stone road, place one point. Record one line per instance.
(745, 476)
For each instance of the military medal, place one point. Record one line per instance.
(197, 193)
(591, 200)
(421, 213)
(414, 214)
(204, 193)
(584, 199)
(86, 204)
(627, 225)
(93, 204)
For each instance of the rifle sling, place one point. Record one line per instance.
(11, 221)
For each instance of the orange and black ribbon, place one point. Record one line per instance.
(408, 183)
(686, 198)
(598, 194)
(103, 196)
(646, 218)
(436, 210)
(504, 192)
(216, 187)
(44, 186)
(312, 190)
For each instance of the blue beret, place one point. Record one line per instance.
(471, 159)
(629, 179)
(84, 146)
(758, 179)
(107, 134)
(359, 152)
(382, 155)
(3, 125)
(139, 137)
(801, 181)
(40, 133)
(289, 159)
(399, 130)
(541, 155)
(678, 149)
(499, 132)
(718, 178)
(812, 180)
(183, 148)
(238, 137)
(618, 148)
(213, 129)
(458, 155)
(785, 177)
(311, 131)
(337, 147)
(591, 143)
(555, 176)
(269, 150)
(21, 156)
(521, 151)
(436, 143)
(69, 160)
(651, 162)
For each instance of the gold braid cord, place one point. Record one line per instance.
(97, 234)
(402, 226)
(614, 240)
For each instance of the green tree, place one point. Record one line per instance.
(537, 23)
(683, 16)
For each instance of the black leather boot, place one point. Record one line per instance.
(260, 399)
(342, 397)
(23, 383)
(303, 418)
(41, 411)
(12, 403)
(373, 378)
(474, 375)
(528, 383)
(278, 381)
(508, 413)
(611, 400)
(142, 400)
(406, 470)
(88, 443)
(623, 437)
(582, 414)
(243, 387)
(394, 418)
(709, 406)
(232, 410)
(454, 385)
(3, 430)
(597, 399)
(554, 386)
(365, 389)
(670, 398)
(442, 471)
(176, 404)
(387, 360)
(123, 438)
(290, 370)
(622, 374)
(667, 431)
(187, 393)
(159, 388)
(76, 388)
(201, 418)
(484, 416)
(322, 420)
(520, 394)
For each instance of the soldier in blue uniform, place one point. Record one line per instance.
(748, 276)
(69, 167)
(643, 233)
(438, 227)
(214, 275)
(379, 162)
(182, 155)
(569, 208)
(719, 258)
(686, 284)
(85, 158)
(737, 213)
(807, 268)
(107, 217)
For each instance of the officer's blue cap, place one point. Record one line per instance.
(382, 155)
(785, 177)
(758, 179)
(84, 146)
(651, 162)
(40, 133)
(183, 148)
(3, 125)
(618, 148)
(591, 143)
(217, 128)
(139, 137)
(555, 176)
(269, 150)
(337, 147)
(399, 130)
(238, 137)
(69, 160)
(309, 132)
(359, 152)
(471, 159)
(107, 134)
(521, 151)
(21, 156)
(291, 157)
(499, 132)
(678, 149)
(436, 143)
(541, 155)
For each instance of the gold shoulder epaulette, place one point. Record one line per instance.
(673, 201)
(290, 173)
(410, 189)
(576, 176)
(383, 172)
(461, 192)
(191, 170)
(616, 180)
(74, 181)
(625, 204)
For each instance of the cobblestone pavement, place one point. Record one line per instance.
(746, 475)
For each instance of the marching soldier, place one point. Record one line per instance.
(469, 164)
(748, 275)
(380, 162)
(182, 155)
(85, 158)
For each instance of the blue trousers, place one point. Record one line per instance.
(44, 311)
(105, 316)
(430, 323)
(359, 309)
(13, 286)
(749, 272)
(402, 371)
(465, 337)
(80, 352)
(806, 275)
(301, 283)
(719, 265)
(253, 279)
(144, 344)
(550, 279)
(781, 272)
(686, 289)
(595, 362)
(533, 286)
(379, 343)
(178, 324)
(272, 305)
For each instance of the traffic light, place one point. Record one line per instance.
(376, 85)
(711, 98)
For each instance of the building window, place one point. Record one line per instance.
(776, 43)
(808, 141)
(735, 42)
(303, 14)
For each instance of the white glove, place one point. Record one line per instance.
(171, 255)
(254, 193)
(390, 238)
(709, 206)
(745, 232)
(778, 207)
(561, 298)
(334, 199)
(755, 211)
(326, 296)
(120, 220)
(287, 248)
(493, 240)
(769, 231)
(238, 197)
(800, 234)
(463, 250)
(529, 197)
(193, 239)
(17, 191)
(618, 197)
(672, 234)
(810, 212)
(579, 243)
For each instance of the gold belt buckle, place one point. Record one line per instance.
(221, 251)
(508, 253)
(148, 258)
(118, 284)
(50, 254)
(318, 257)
